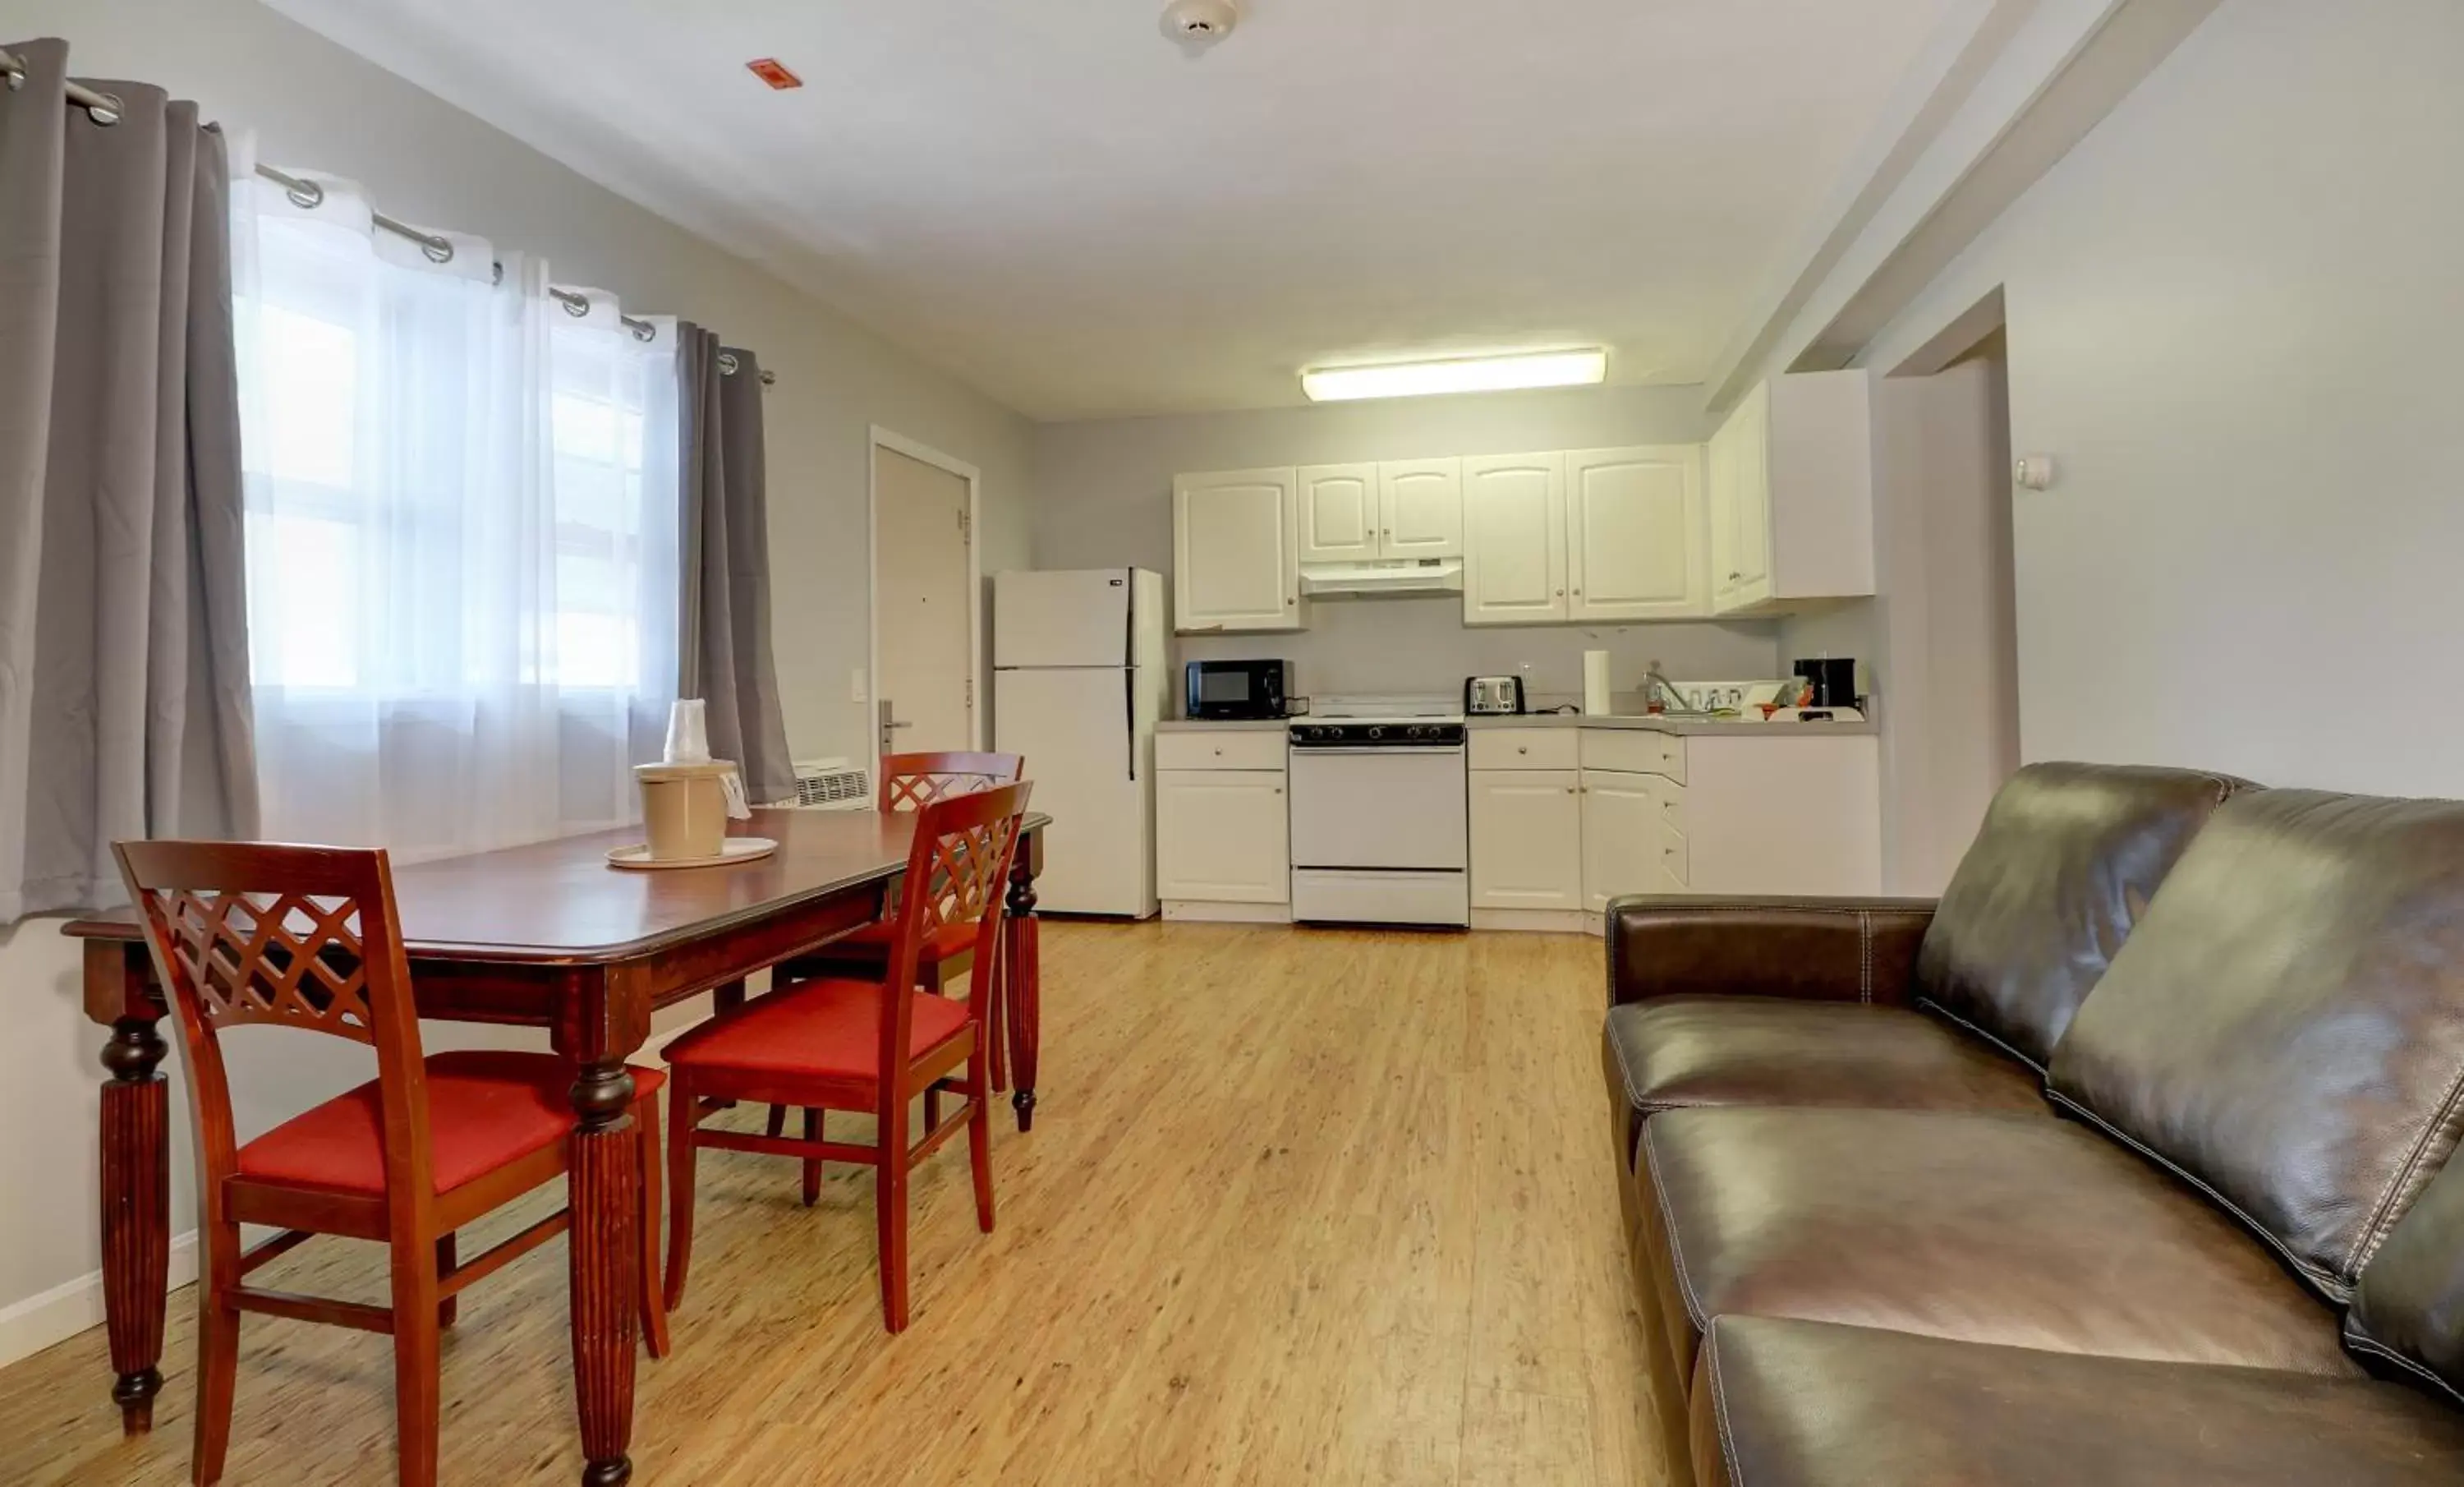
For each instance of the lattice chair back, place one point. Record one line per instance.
(955, 870)
(292, 937)
(911, 782)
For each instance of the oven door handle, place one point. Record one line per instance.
(1408, 750)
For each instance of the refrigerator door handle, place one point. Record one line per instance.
(1129, 713)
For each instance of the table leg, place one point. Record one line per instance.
(1022, 985)
(606, 1203)
(136, 1215)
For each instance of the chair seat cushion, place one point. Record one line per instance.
(1796, 1404)
(1985, 1227)
(1684, 1051)
(486, 1109)
(871, 944)
(824, 1029)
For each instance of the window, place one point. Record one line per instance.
(462, 512)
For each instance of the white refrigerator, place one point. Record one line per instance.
(1078, 685)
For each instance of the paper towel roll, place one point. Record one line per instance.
(1596, 683)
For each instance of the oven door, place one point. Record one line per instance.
(1378, 807)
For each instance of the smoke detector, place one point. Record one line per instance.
(1200, 24)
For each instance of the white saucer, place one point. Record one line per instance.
(739, 848)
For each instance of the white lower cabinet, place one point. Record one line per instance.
(1526, 840)
(1222, 844)
(1628, 844)
(1220, 835)
(1779, 811)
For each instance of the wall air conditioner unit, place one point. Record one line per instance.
(832, 784)
(1367, 580)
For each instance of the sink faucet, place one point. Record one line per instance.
(1658, 689)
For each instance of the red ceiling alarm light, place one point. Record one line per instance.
(772, 71)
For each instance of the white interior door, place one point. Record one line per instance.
(922, 623)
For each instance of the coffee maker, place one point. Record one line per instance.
(1832, 679)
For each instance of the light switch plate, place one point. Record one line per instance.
(856, 685)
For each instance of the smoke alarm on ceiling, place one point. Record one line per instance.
(1200, 24)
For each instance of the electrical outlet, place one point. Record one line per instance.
(856, 685)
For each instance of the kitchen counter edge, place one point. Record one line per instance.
(1681, 726)
(1687, 728)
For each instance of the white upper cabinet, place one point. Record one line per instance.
(1634, 533)
(1405, 508)
(1792, 494)
(1514, 539)
(1339, 515)
(1419, 504)
(1236, 551)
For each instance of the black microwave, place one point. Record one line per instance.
(1239, 689)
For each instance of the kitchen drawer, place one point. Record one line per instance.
(1232, 748)
(1671, 797)
(1673, 853)
(1523, 748)
(1635, 750)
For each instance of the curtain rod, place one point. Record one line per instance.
(308, 196)
(104, 108)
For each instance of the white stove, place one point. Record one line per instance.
(1379, 828)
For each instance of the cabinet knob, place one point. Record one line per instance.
(1733, 576)
(1522, 749)
(1289, 601)
(1570, 790)
(1561, 594)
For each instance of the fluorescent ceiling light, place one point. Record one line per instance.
(1463, 375)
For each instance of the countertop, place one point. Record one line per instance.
(1683, 726)
(1222, 725)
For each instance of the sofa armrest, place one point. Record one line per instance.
(1809, 949)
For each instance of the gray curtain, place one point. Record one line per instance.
(724, 655)
(123, 647)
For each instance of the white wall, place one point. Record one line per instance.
(2232, 313)
(313, 103)
(1104, 498)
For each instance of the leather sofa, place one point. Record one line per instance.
(2125, 1162)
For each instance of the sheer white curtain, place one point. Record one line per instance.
(461, 534)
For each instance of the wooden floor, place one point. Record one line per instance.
(1301, 1206)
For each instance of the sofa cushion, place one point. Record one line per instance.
(2286, 1026)
(1985, 1227)
(1683, 1051)
(1795, 1403)
(2409, 1309)
(2068, 856)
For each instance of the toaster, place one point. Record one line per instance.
(1493, 694)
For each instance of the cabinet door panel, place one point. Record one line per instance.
(1621, 837)
(1222, 835)
(1236, 551)
(1338, 511)
(1526, 840)
(1420, 508)
(1634, 532)
(1514, 539)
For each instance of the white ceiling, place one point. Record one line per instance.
(1050, 199)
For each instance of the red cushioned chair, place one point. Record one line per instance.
(863, 1046)
(304, 937)
(910, 782)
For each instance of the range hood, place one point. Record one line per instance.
(1364, 580)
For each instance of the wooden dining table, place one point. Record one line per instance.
(545, 936)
